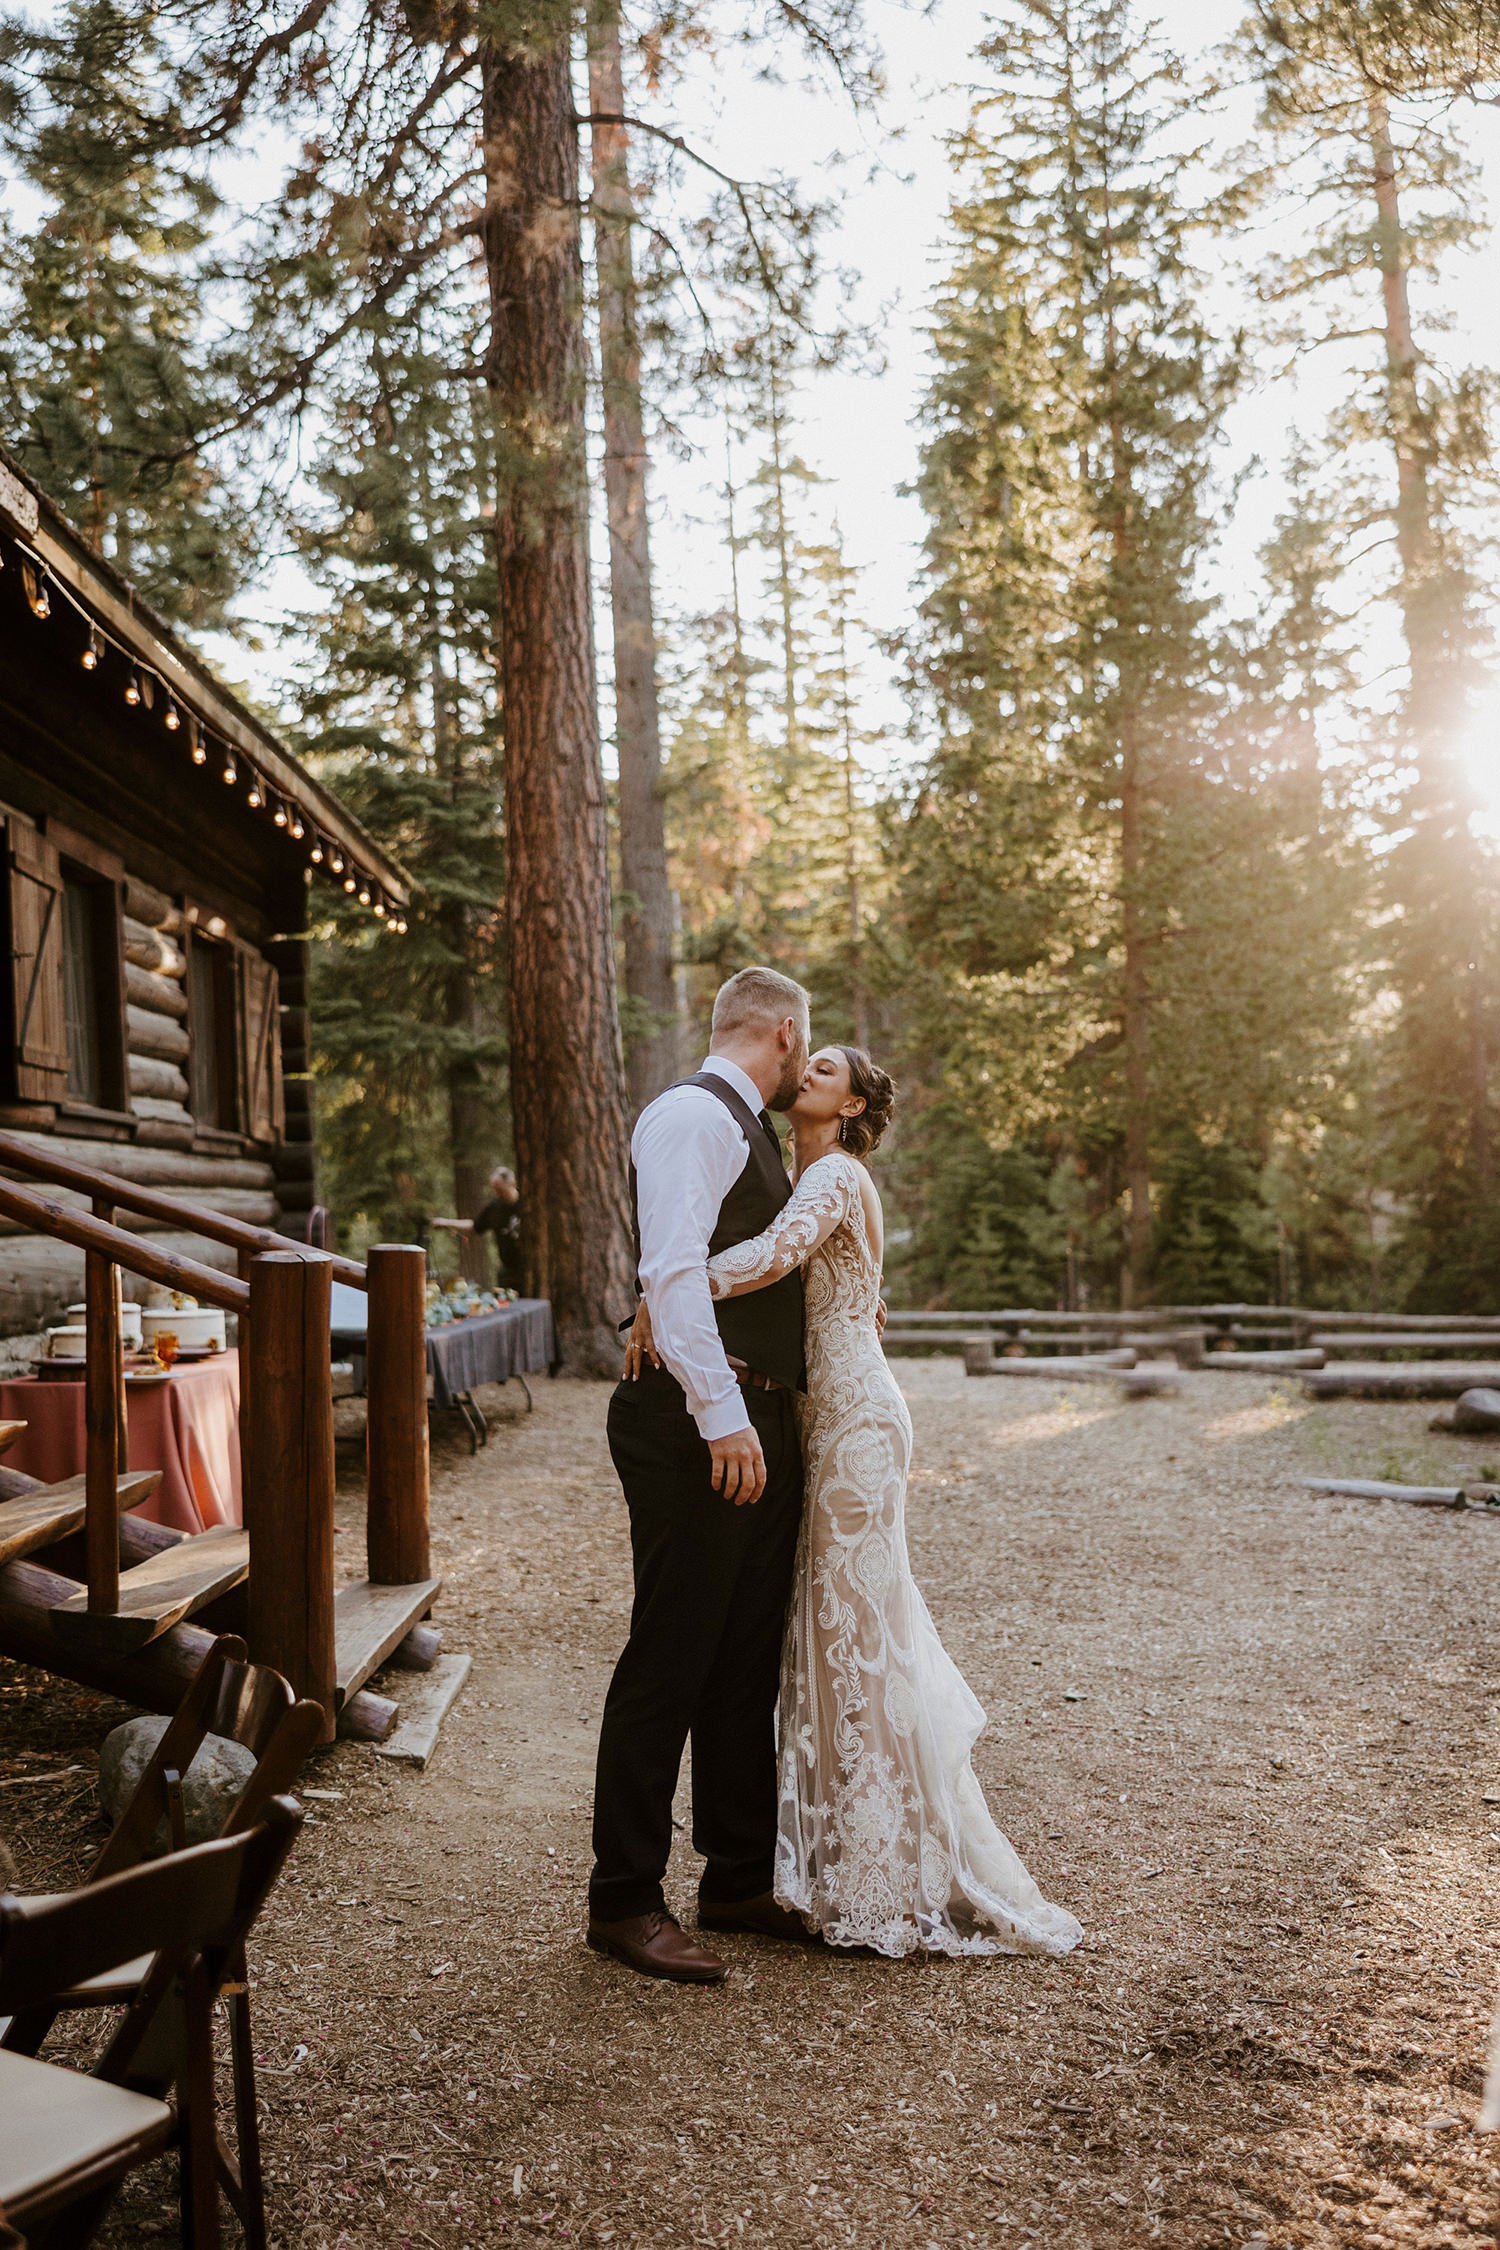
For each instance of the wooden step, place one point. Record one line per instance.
(9, 1432)
(369, 1621)
(58, 1510)
(159, 1593)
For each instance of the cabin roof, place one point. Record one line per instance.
(106, 596)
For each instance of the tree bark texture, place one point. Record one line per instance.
(567, 1080)
(654, 1055)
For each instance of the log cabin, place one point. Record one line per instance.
(161, 852)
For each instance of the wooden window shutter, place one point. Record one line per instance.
(36, 959)
(260, 1021)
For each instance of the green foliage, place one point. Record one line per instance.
(400, 708)
(106, 374)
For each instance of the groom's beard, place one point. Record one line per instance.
(789, 1084)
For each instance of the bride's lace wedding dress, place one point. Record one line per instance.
(884, 1838)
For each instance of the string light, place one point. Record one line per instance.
(141, 685)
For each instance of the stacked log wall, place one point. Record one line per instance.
(39, 1276)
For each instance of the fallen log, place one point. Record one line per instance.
(1260, 1363)
(1371, 1488)
(1409, 1379)
(1477, 1414)
(1055, 1370)
(1350, 1342)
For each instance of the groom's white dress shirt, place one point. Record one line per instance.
(688, 1153)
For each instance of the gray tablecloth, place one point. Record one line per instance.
(517, 1340)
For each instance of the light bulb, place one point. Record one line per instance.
(132, 689)
(349, 882)
(36, 592)
(298, 831)
(380, 907)
(336, 864)
(364, 898)
(172, 717)
(90, 656)
(195, 742)
(231, 770)
(316, 855)
(280, 816)
(255, 796)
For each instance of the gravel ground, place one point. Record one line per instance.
(1247, 1734)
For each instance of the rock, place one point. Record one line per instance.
(210, 1787)
(1475, 1414)
(7, 1866)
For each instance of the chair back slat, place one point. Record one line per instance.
(249, 1703)
(191, 1902)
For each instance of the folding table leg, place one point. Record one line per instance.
(195, 2107)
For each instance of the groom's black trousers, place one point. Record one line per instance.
(712, 1583)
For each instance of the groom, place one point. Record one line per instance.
(706, 1449)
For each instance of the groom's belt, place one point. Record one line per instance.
(750, 1378)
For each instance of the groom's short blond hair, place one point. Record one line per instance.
(757, 998)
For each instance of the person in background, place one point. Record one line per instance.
(500, 1217)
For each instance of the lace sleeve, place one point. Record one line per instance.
(822, 1199)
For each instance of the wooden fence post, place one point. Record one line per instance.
(101, 1426)
(396, 1527)
(288, 1493)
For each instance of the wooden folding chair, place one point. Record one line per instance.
(254, 1706)
(67, 2139)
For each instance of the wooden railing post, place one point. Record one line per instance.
(396, 1526)
(288, 1495)
(101, 1424)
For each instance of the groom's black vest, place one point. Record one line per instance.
(764, 1328)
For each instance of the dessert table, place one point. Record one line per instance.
(188, 1427)
(514, 1341)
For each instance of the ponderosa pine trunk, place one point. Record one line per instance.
(567, 1080)
(653, 1059)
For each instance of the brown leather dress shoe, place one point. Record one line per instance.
(655, 1946)
(762, 1916)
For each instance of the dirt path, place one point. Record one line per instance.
(1246, 1734)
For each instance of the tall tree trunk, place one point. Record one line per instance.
(652, 1062)
(470, 1122)
(567, 1079)
(1420, 593)
(857, 1005)
(1135, 1023)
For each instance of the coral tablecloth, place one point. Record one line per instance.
(188, 1427)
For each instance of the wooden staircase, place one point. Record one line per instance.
(127, 1624)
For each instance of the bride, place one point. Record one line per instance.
(884, 1838)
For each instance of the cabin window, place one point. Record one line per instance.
(81, 993)
(213, 1029)
(90, 946)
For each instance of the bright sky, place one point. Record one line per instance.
(859, 430)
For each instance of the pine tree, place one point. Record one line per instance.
(1361, 131)
(106, 374)
(1098, 829)
(400, 708)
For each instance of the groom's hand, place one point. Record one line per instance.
(739, 1466)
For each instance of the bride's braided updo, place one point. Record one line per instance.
(861, 1135)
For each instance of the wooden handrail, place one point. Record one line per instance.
(238, 1234)
(133, 1251)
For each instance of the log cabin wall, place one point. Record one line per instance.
(154, 1018)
